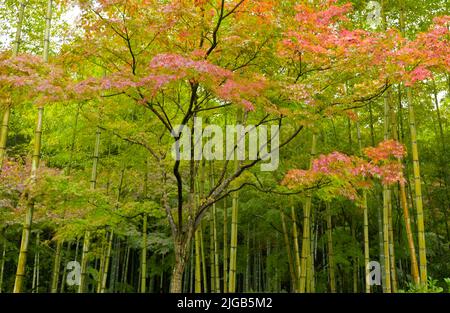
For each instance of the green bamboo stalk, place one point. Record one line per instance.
(107, 261)
(418, 192)
(288, 249)
(35, 280)
(296, 248)
(198, 273)
(21, 263)
(211, 254)
(102, 261)
(387, 267)
(144, 254)
(247, 267)
(216, 250)
(203, 256)
(225, 246)
(365, 224)
(416, 171)
(306, 243)
(56, 266)
(391, 251)
(87, 235)
(330, 250)
(366, 242)
(84, 262)
(66, 257)
(125, 270)
(234, 222)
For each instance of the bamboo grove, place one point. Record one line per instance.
(93, 200)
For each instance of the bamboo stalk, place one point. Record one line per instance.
(225, 246)
(144, 254)
(306, 242)
(416, 171)
(7, 113)
(211, 254)
(387, 267)
(391, 251)
(66, 257)
(288, 249)
(296, 248)
(412, 250)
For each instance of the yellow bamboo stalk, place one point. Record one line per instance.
(412, 250)
(416, 171)
(418, 191)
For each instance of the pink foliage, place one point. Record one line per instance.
(384, 150)
(352, 171)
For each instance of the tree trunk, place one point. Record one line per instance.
(181, 256)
